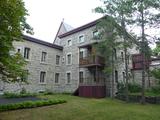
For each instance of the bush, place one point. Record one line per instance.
(155, 89)
(132, 87)
(30, 104)
(18, 95)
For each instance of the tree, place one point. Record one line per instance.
(146, 16)
(108, 35)
(12, 24)
(120, 11)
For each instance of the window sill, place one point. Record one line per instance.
(43, 63)
(57, 84)
(28, 60)
(68, 83)
(42, 83)
(57, 65)
(68, 64)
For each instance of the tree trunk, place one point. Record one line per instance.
(112, 83)
(126, 57)
(143, 54)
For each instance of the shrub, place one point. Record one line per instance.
(155, 89)
(121, 87)
(30, 104)
(132, 87)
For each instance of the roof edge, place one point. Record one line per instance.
(38, 41)
(83, 27)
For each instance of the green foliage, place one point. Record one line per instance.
(156, 73)
(30, 104)
(132, 88)
(18, 95)
(12, 24)
(154, 89)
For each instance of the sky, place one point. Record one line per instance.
(45, 16)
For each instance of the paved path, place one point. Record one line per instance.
(17, 100)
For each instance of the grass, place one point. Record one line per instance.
(78, 108)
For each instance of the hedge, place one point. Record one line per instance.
(30, 104)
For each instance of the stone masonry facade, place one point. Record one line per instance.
(59, 71)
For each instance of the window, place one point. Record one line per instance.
(116, 76)
(42, 77)
(69, 43)
(26, 53)
(25, 75)
(57, 59)
(68, 77)
(115, 53)
(69, 59)
(57, 78)
(95, 34)
(81, 54)
(43, 57)
(18, 50)
(81, 77)
(81, 38)
(123, 73)
(122, 56)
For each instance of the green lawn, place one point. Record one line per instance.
(86, 109)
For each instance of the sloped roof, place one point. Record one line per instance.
(88, 25)
(35, 40)
(63, 28)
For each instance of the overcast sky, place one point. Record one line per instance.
(45, 16)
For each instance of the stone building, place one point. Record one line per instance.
(69, 64)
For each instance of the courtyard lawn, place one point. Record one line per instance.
(78, 108)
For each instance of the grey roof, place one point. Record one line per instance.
(68, 27)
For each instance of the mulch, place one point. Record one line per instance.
(17, 100)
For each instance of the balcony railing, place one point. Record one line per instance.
(92, 60)
(99, 81)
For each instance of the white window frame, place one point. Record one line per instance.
(45, 57)
(27, 59)
(82, 50)
(44, 77)
(55, 78)
(79, 38)
(67, 77)
(97, 35)
(67, 58)
(59, 60)
(70, 42)
(83, 75)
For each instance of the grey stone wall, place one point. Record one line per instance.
(35, 66)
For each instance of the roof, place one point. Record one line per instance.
(41, 42)
(88, 25)
(63, 28)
